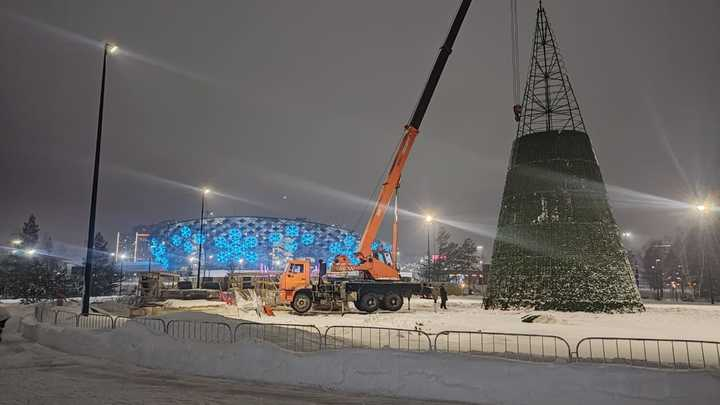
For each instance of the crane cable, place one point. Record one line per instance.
(517, 108)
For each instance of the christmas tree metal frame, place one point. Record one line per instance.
(557, 245)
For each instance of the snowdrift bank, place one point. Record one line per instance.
(428, 376)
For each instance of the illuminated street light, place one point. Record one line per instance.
(704, 209)
(16, 242)
(31, 252)
(201, 241)
(122, 257)
(428, 223)
(89, 259)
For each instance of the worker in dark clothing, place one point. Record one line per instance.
(4, 316)
(443, 297)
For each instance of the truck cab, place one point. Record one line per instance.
(296, 279)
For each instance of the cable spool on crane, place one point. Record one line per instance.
(517, 108)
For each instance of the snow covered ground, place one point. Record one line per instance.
(670, 321)
(121, 378)
(37, 375)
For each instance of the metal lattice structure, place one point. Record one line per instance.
(549, 100)
(557, 245)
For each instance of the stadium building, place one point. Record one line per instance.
(244, 242)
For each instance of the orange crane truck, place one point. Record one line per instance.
(374, 282)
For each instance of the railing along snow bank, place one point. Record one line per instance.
(430, 375)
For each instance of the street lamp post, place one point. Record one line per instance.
(428, 223)
(122, 272)
(705, 209)
(205, 192)
(107, 49)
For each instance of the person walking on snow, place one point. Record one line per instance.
(443, 297)
(4, 316)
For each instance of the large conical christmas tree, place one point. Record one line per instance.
(557, 245)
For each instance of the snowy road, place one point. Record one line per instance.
(31, 374)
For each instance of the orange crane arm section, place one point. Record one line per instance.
(389, 188)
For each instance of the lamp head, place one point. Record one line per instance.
(111, 48)
(428, 218)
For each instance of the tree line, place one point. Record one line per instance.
(33, 270)
(451, 258)
(687, 263)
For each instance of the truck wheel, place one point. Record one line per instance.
(370, 302)
(359, 306)
(393, 301)
(301, 303)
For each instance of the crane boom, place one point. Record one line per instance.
(392, 182)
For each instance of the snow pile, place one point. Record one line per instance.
(190, 304)
(429, 375)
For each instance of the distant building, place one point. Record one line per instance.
(244, 242)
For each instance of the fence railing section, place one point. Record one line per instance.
(299, 338)
(649, 352)
(644, 352)
(155, 324)
(43, 313)
(95, 321)
(65, 318)
(518, 346)
(205, 332)
(367, 337)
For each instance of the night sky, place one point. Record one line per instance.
(307, 99)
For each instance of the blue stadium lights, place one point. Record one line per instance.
(292, 230)
(350, 241)
(275, 239)
(336, 248)
(291, 246)
(235, 234)
(252, 240)
(308, 239)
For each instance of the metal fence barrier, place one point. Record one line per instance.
(64, 318)
(649, 352)
(205, 332)
(155, 324)
(375, 338)
(520, 346)
(43, 313)
(122, 321)
(644, 352)
(95, 321)
(298, 338)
